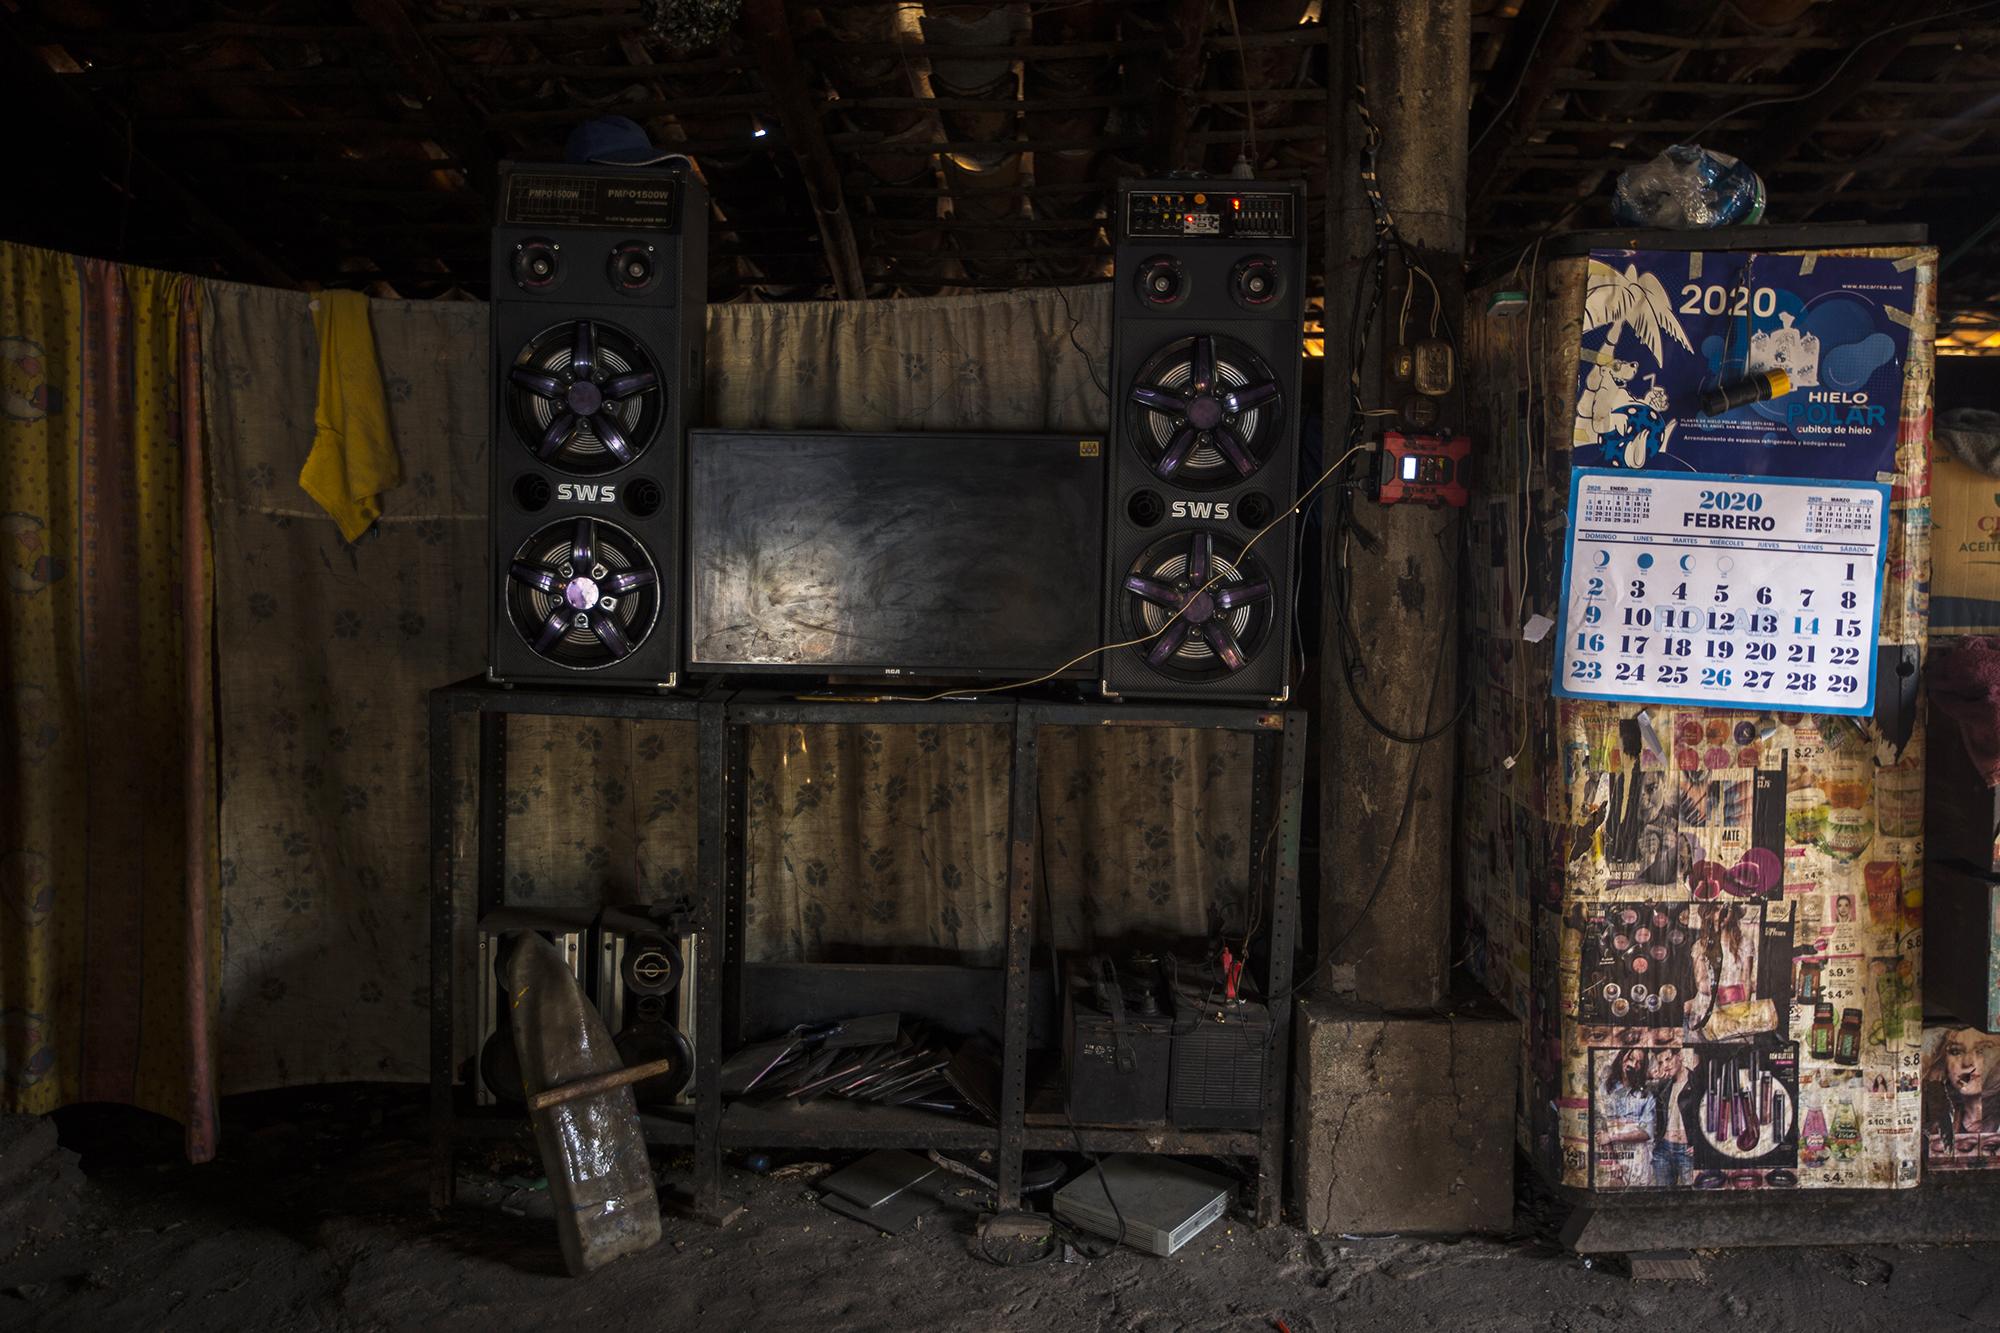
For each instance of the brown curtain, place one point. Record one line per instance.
(862, 841)
(867, 843)
(107, 861)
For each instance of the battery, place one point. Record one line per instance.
(1117, 1063)
(1220, 1049)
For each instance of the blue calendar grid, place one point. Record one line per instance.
(1726, 591)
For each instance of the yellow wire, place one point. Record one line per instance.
(1296, 505)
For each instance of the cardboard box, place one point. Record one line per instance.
(1965, 548)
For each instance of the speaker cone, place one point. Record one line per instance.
(1223, 598)
(648, 1040)
(1204, 411)
(584, 396)
(583, 593)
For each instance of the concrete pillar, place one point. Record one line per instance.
(1387, 807)
(1404, 1123)
(1404, 1109)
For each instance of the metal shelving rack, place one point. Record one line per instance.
(452, 1117)
(1276, 799)
(731, 990)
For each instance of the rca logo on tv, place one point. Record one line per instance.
(577, 491)
(1201, 509)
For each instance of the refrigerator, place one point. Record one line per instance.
(1704, 901)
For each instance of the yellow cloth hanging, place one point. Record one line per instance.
(354, 461)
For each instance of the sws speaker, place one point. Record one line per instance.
(1207, 320)
(599, 303)
(644, 991)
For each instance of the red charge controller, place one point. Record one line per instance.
(1424, 469)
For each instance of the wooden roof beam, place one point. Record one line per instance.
(69, 105)
(1802, 42)
(652, 71)
(1749, 127)
(204, 76)
(768, 31)
(1545, 40)
(641, 110)
(459, 126)
(200, 34)
(1778, 137)
(1572, 162)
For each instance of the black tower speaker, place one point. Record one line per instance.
(1206, 323)
(599, 303)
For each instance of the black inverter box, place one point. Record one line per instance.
(1117, 1045)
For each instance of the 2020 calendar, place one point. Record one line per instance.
(1749, 592)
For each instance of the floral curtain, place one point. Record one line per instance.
(872, 843)
(107, 857)
(327, 651)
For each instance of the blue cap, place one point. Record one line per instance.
(616, 141)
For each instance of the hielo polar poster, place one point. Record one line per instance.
(1661, 328)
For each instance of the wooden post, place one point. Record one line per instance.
(1386, 806)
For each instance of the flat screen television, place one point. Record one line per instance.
(932, 554)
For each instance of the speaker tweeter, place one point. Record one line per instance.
(537, 264)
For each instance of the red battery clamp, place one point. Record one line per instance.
(1424, 469)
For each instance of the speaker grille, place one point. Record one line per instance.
(1204, 411)
(584, 396)
(583, 593)
(1223, 597)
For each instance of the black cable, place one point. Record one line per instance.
(1969, 244)
(1060, 1233)
(1249, 107)
(1350, 659)
(1409, 801)
(1298, 577)
(1361, 319)
(1377, 725)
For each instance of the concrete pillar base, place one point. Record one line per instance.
(1404, 1122)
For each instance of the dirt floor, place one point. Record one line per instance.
(314, 1218)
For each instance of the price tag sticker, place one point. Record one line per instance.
(1726, 591)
